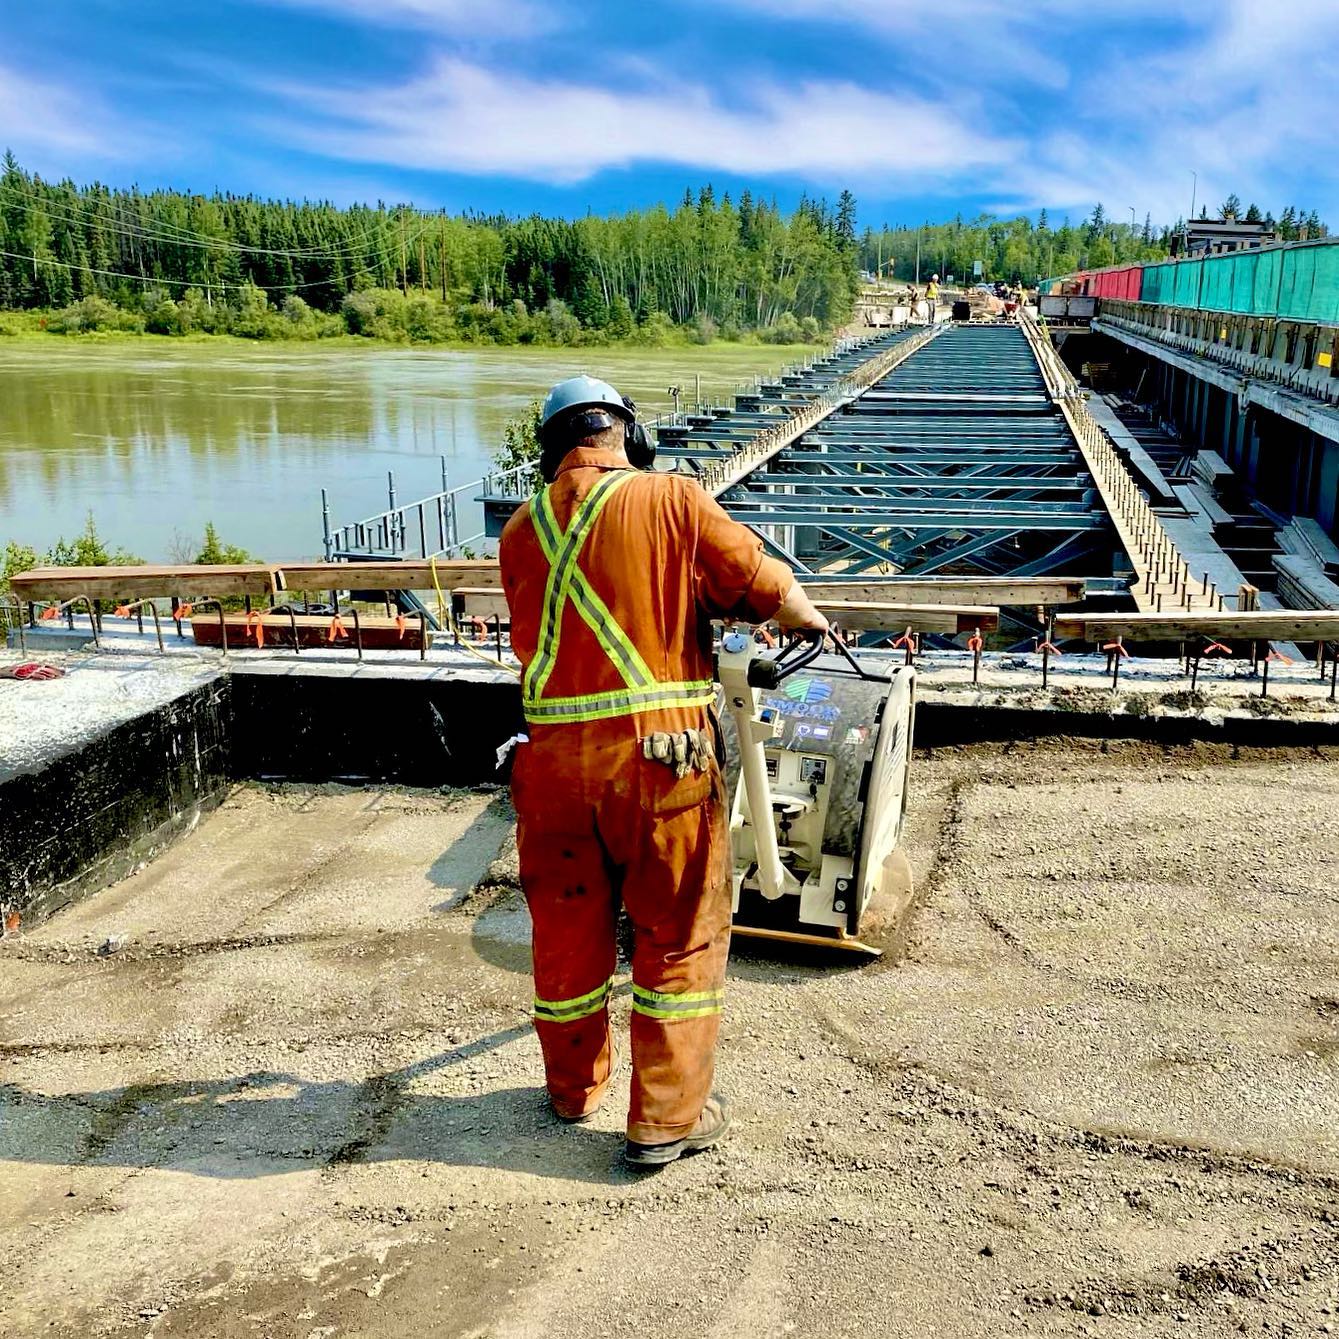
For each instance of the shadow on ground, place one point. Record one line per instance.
(271, 1123)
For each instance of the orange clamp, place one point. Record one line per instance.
(121, 611)
(1217, 646)
(336, 630)
(764, 635)
(50, 612)
(1279, 656)
(974, 642)
(256, 624)
(400, 625)
(182, 611)
(1117, 647)
(1050, 647)
(907, 639)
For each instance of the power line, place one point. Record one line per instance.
(59, 209)
(177, 236)
(147, 279)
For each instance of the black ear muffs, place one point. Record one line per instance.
(637, 444)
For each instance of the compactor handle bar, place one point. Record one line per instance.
(769, 673)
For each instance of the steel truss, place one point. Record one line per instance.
(956, 462)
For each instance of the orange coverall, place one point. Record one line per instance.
(598, 822)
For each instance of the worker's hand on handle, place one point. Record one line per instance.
(797, 613)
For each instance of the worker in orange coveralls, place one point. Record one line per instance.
(612, 574)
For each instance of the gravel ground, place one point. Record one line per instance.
(1097, 1095)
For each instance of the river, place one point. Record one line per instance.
(156, 438)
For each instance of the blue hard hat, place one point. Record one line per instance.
(582, 392)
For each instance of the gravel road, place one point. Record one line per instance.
(1098, 1093)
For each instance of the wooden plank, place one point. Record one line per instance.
(997, 591)
(413, 574)
(472, 602)
(865, 616)
(145, 582)
(1301, 625)
(378, 632)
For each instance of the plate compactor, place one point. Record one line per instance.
(818, 755)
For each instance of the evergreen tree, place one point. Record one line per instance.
(846, 216)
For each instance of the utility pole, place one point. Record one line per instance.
(918, 254)
(441, 247)
(404, 261)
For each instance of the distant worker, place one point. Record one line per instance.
(612, 574)
(932, 296)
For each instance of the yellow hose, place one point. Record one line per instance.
(445, 619)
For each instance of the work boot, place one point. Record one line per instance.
(711, 1125)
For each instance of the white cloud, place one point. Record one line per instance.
(1121, 100)
(462, 117)
(461, 18)
(1247, 102)
(42, 120)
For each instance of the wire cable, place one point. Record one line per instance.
(446, 619)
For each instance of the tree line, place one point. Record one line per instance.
(96, 257)
(1021, 250)
(88, 549)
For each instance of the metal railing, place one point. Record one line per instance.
(402, 528)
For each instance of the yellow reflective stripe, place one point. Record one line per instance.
(633, 670)
(541, 515)
(579, 1006)
(611, 637)
(557, 588)
(601, 706)
(670, 1008)
(674, 1015)
(678, 997)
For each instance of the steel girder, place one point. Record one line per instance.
(954, 461)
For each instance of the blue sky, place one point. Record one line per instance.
(921, 107)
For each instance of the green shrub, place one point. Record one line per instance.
(87, 549)
(93, 313)
(785, 330)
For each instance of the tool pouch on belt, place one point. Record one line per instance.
(687, 751)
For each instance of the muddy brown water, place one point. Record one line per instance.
(156, 438)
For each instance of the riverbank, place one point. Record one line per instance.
(25, 326)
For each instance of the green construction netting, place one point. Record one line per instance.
(1298, 282)
(1309, 287)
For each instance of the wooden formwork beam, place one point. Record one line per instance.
(871, 616)
(1293, 625)
(194, 580)
(411, 574)
(146, 582)
(998, 591)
